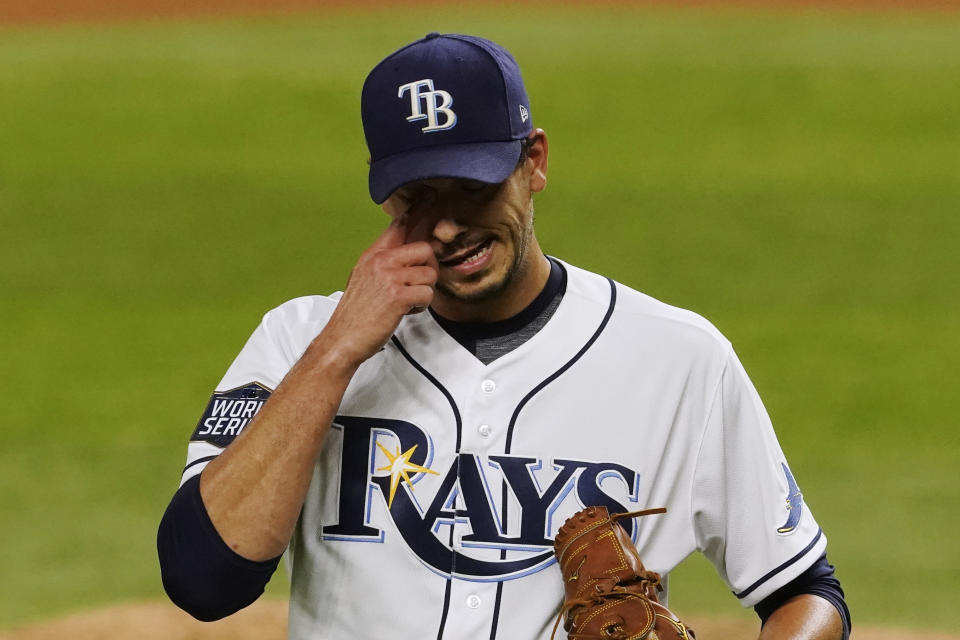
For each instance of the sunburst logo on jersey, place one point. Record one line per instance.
(400, 467)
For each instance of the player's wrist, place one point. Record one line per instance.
(336, 358)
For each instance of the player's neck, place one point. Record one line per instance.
(526, 285)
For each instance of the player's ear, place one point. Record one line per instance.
(537, 160)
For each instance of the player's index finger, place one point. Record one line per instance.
(417, 218)
(417, 228)
(393, 236)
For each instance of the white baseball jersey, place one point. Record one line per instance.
(443, 480)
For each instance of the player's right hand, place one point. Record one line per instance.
(391, 279)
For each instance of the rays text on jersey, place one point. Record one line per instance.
(481, 517)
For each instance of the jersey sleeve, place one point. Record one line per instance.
(273, 348)
(749, 514)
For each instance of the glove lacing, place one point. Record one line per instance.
(646, 580)
(615, 591)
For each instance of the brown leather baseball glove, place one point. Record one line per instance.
(609, 593)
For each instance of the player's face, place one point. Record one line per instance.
(490, 265)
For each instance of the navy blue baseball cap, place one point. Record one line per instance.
(445, 106)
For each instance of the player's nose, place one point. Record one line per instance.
(446, 229)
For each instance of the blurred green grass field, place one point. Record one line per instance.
(795, 177)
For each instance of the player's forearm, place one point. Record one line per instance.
(805, 617)
(254, 490)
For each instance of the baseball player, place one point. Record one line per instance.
(412, 444)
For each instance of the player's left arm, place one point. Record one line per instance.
(804, 617)
(812, 605)
(752, 522)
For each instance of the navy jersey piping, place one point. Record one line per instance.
(516, 413)
(446, 608)
(198, 461)
(770, 574)
(556, 374)
(459, 421)
(436, 383)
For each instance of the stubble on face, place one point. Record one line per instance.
(520, 238)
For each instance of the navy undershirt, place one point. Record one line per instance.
(200, 572)
(818, 580)
(490, 340)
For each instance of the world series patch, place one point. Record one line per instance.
(229, 412)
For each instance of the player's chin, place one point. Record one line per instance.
(476, 287)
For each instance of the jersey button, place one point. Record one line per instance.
(484, 430)
(474, 601)
(487, 386)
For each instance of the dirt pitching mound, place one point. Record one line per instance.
(267, 620)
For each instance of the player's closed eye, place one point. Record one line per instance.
(473, 186)
(480, 192)
(410, 195)
(474, 189)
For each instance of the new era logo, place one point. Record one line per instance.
(523, 114)
(427, 103)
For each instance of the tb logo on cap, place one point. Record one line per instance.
(434, 101)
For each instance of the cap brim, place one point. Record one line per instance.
(490, 162)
